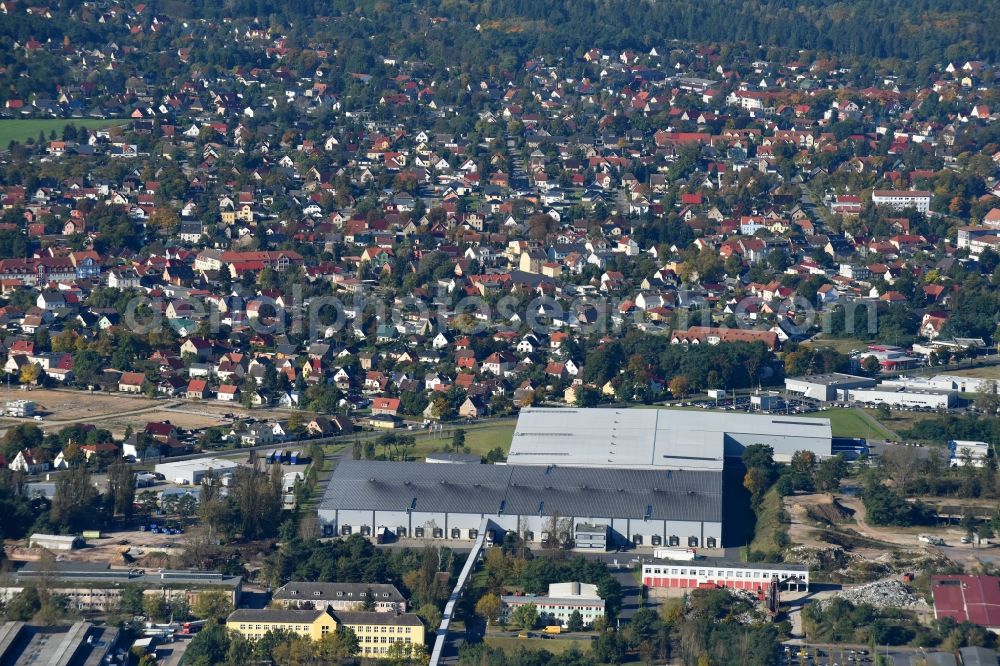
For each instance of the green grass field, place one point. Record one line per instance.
(851, 422)
(479, 439)
(985, 372)
(553, 645)
(900, 421)
(22, 130)
(842, 345)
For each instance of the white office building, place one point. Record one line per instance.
(901, 200)
(903, 397)
(192, 472)
(559, 604)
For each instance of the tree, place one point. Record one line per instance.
(74, 504)
(758, 455)
(871, 366)
(587, 396)
(131, 600)
(431, 616)
(256, 501)
(30, 373)
(988, 401)
(458, 440)
(24, 605)
(525, 616)
(756, 481)
(213, 605)
(208, 647)
(761, 470)
(121, 487)
(337, 647)
(87, 366)
(679, 386)
(900, 463)
(883, 411)
(489, 607)
(368, 604)
(575, 622)
(968, 522)
(830, 473)
(155, 607)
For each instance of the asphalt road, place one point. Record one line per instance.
(170, 654)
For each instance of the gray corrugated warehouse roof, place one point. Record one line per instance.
(655, 438)
(526, 490)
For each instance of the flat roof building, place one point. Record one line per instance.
(658, 438)
(756, 576)
(96, 587)
(428, 501)
(904, 397)
(826, 387)
(80, 644)
(559, 604)
(191, 472)
(900, 200)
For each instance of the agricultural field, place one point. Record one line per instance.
(22, 130)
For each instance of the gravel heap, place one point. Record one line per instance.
(887, 593)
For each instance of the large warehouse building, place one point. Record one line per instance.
(426, 501)
(658, 438)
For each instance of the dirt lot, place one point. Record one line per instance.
(819, 520)
(116, 412)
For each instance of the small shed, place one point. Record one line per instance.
(54, 541)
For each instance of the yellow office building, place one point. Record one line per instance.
(376, 632)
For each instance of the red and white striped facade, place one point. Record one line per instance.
(737, 575)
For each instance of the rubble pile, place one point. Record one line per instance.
(887, 593)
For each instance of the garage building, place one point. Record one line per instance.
(826, 387)
(428, 501)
